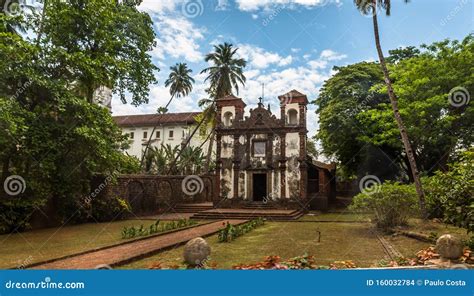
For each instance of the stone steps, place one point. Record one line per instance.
(193, 208)
(248, 214)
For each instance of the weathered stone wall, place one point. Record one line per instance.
(153, 194)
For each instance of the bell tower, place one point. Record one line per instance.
(293, 108)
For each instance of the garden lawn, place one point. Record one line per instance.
(25, 248)
(335, 217)
(339, 241)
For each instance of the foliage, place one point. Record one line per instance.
(356, 120)
(180, 80)
(159, 160)
(52, 134)
(109, 210)
(133, 231)
(450, 194)
(107, 43)
(301, 262)
(349, 92)
(14, 213)
(231, 232)
(391, 203)
(181, 84)
(225, 72)
(437, 128)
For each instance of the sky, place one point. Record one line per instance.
(288, 44)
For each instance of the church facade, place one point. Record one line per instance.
(263, 159)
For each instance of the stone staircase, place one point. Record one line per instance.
(250, 213)
(193, 207)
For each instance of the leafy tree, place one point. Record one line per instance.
(370, 7)
(351, 91)
(100, 43)
(52, 134)
(438, 127)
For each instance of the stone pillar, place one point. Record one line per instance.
(283, 165)
(236, 165)
(302, 111)
(283, 114)
(269, 149)
(218, 164)
(303, 166)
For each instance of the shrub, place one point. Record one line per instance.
(231, 232)
(450, 195)
(391, 204)
(15, 213)
(104, 210)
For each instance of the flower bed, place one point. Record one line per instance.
(231, 232)
(131, 232)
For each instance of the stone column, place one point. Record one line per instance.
(303, 166)
(283, 165)
(218, 164)
(236, 165)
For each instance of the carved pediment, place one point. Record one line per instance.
(259, 117)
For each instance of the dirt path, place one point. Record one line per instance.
(134, 250)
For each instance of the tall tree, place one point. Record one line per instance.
(180, 83)
(225, 74)
(370, 7)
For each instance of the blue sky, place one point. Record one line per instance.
(289, 44)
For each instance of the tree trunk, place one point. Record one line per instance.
(209, 152)
(151, 136)
(189, 140)
(398, 118)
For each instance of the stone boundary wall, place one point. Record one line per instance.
(150, 194)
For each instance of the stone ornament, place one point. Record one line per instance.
(449, 247)
(196, 251)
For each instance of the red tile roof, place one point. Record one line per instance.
(155, 119)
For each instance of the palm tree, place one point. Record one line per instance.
(370, 7)
(224, 75)
(180, 83)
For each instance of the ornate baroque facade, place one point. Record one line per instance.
(261, 158)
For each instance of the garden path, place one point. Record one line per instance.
(121, 254)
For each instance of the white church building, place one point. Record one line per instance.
(171, 128)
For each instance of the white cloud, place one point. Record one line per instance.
(325, 57)
(259, 58)
(252, 5)
(330, 55)
(159, 7)
(177, 38)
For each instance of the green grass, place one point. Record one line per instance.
(406, 245)
(336, 217)
(339, 241)
(428, 227)
(21, 249)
